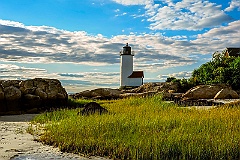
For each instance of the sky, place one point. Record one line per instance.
(78, 41)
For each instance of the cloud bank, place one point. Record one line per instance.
(233, 4)
(42, 44)
(183, 15)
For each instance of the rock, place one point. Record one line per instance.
(202, 92)
(55, 90)
(3, 107)
(171, 96)
(32, 111)
(52, 89)
(16, 95)
(61, 96)
(1, 93)
(91, 108)
(30, 101)
(147, 89)
(9, 83)
(99, 93)
(39, 92)
(27, 87)
(31, 97)
(83, 94)
(41, 84)
(107, 92)
(12, 93)
(226, 93)
(155, 87)
(12, 98)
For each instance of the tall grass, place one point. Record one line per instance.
(146, 128)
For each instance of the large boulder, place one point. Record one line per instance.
(147, 89)
(19, 95)
(1, 93)
(226, 93)
(203, 92)
(12, 93)
(107, 92)
(39, 92)
(12, 98)
(99, 93)
(155, 87)
(55, 90)
(30, 101)
(2, 100)
(41, 83)
(8, 83)
(27, 87)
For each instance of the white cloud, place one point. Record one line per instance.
(117, 10)
(222, 37)
(13, 71)
(186, 15)
(80, 81)
(153, 52)
(93, 77)
(182, 15)
(179, 75)
(122, 14)
(131, 2)
(233, 4)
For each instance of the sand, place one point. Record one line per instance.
(17, 144)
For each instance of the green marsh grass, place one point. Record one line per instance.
(146, 128)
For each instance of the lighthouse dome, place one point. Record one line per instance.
(127, 50)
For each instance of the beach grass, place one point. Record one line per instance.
(146, 128)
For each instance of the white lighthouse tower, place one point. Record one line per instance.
(128, 77)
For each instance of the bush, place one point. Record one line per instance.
(183, 84)
(220, 69)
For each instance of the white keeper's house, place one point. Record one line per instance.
(128, 77)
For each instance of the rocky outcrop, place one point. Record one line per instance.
(147, 89)
(169, 91)
(24, 95)
(227, 93)
(210, 92)
(99, 93)
(155, 87)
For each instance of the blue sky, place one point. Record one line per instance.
(78, 41)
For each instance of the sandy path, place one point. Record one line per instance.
(16, 144)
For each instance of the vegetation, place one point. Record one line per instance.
(220, 69)
(146, 128)
(183, 84)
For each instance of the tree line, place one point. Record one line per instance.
(220, 70)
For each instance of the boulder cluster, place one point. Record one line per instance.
(198, 95)
(25, 95)
(147, 89)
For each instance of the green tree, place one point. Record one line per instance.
(170, 79)
(220, 69)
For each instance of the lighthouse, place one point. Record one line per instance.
(128, 77)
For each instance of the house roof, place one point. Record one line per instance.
(136, 74)
(233, 52)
